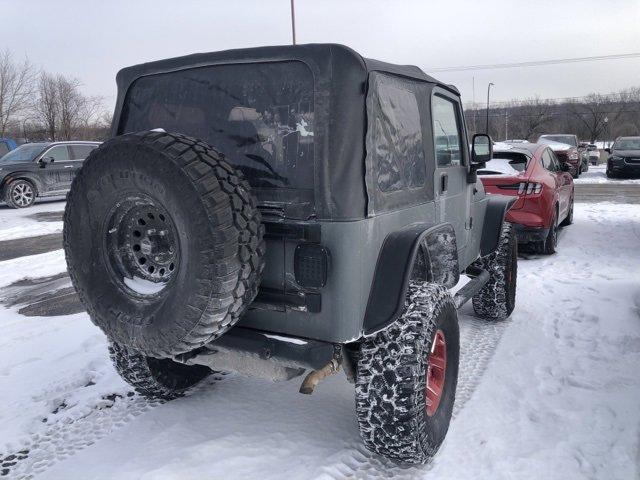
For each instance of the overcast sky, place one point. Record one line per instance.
(92, 40)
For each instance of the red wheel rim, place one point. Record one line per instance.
(436, 370)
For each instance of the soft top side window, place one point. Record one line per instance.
(397, 136)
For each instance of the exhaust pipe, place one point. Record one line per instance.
(315, 377)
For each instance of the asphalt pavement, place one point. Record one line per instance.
(607, 192)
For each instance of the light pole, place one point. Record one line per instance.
(488, 92)
(473, 96)
(24, 129)
(506, 124)
(606, 124)
(293, 21)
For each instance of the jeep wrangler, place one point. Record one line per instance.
(287, 210)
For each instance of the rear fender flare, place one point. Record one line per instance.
(437, 247)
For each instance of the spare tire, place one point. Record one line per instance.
(163, 241)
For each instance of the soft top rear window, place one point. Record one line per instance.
(259, 115)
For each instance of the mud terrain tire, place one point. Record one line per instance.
(391, 385)
(155, 378)
(497, 299)
(173, 200)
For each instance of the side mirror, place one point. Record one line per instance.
(481, 148)
(565, 167)
(44, 160)
(608, 150)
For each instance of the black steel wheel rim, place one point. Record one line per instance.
(142, 245)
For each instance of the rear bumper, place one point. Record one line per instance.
(527, 234)
(528, 217)
(262, 354)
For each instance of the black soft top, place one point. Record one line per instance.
(340, 77)
(313, 54)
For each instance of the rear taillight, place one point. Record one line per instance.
(311, 265)
(527, 188)
(533, 188)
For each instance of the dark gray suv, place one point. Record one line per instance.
(282, 210)
(41, 170)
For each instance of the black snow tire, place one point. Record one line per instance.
(217, 232)
(497, 299)
(548, 246)
(391, 378)
(569, 218)
(10, 194)
(157, 378)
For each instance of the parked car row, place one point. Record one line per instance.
(539, 177)
(43, 169)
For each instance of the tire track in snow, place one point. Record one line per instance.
(67, 436)
(64, 438)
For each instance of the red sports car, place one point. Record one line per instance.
(544, 188)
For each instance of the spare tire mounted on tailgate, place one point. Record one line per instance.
(163, 242)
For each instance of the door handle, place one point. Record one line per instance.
(444, 182)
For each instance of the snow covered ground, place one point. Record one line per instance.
(32, 221)
(597, 174)
(557, 398)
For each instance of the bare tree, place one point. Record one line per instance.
(47, 108)
(63, 111)
(592, 112)
(16, 88)
(92, 117)
(70, 105)
(535, 113)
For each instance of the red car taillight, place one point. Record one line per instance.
(534, 188)
(527, 188)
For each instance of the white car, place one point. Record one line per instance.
(594, 154)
